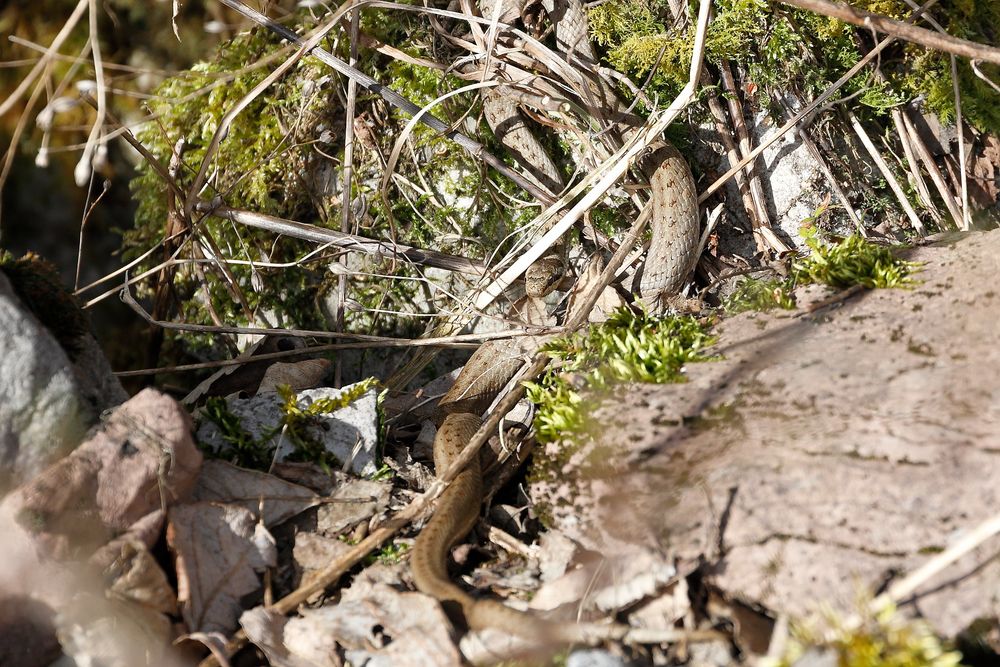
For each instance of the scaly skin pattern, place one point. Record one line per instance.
(671, 255)
(675, 225)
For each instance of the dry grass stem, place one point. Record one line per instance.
(887, 173)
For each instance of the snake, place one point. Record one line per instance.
(674, 243)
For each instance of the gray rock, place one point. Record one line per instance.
(593, 658)
(43, 413)
(350, 434)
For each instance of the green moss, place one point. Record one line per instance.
(391, 554)
(851, 261)
(782, 48)
(760, 295)
(266, 163)
(631, 346)
(886, 639)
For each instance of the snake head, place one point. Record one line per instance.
(543, 276)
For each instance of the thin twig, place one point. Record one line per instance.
(346, 184)
(95, 150)
(129, 300)
(47, 57)
(387, 249)
(899, 29)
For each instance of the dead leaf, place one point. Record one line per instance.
(374, 624)
(353, 501)
(313, 553)
(137, 577)
(265, 629)
(217, 562)
(279, 500)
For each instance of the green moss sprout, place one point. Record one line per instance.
(853, 260)
(257, 453)
(631, 346)
(885, 639)
(295, 420)
(760, 295)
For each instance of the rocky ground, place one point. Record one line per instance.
(824, 456)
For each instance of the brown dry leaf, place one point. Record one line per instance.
(141, 459)
(298, 375)
(265, 629)
(136, 576)
(217, 562)
(984, 172)
(606, 303)
(225, 483)
(313, 553)
(374, 624)
(353, 501)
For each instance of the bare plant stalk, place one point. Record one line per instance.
(736, 113)
(890, 177)
(966, 213)
(345, 189)
(722, 127)
(937, 178)
(911, 160)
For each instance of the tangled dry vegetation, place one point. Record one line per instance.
(345, 186)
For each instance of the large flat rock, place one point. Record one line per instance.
(825, 453)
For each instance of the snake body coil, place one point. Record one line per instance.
(671, 255)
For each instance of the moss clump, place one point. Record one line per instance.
(37, 283)
(885, 639)
(760, 295)
(631, 346)
(270, 161)
(851, 261)
(391, 554)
